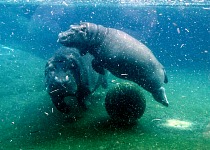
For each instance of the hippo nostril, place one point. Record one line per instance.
(58, 79)
(60, 35)
(62, 79)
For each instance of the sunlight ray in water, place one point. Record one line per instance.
(206, 132)
(110, 2)
(178, 124)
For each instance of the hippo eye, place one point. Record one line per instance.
(72, 66)
(83, 28)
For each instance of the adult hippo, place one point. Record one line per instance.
(119, 53)
(67, 73)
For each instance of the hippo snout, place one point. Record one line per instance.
(62, 37)
(65, 36)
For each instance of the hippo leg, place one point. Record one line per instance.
(60, 104)
(160, 96)
(103, 81)
(98, 67)
(81, 94)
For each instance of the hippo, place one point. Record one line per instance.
(121, 54)
(67, 73)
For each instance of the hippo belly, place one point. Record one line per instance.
(139, 66)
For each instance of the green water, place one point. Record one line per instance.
(30, 121)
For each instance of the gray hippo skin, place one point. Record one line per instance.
(122, 55)
(68, 73)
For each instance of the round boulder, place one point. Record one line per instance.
(125, 103)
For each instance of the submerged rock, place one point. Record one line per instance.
(125, 103)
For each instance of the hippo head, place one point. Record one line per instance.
(76, 37)
(60, 75)
(84, 36)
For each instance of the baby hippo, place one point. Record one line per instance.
(119, 53)
(68, 73)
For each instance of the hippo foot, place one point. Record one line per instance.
(160, 96)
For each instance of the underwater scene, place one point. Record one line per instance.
(105, 75)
